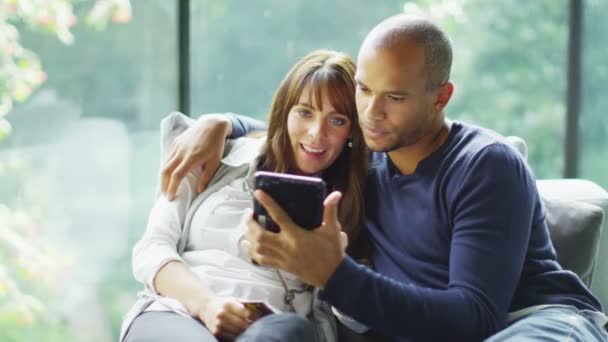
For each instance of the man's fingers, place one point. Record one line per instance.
(330, 211)
(167, 170)
(270, 258)
(245, 247)
(343, 240)
(253, 227)
(176, 178)
(208, 172)
(278, 215)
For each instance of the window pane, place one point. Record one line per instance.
(510, 73)
(78, 175)
(594, 99)
(593, 123)
(242, 49)
(509, 58)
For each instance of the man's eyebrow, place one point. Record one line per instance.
(391, 92)
(397, 92)
(358, 81)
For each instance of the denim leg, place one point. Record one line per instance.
(164, 326)
(280, 327)
(553, 324)
(347, 335)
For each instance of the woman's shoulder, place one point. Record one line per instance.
(242, 150)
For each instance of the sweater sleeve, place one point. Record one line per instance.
(159, 242)
(492, 205)
(243, 125)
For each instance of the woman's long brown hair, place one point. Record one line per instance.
(331, 74)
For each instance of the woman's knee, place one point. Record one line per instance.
(280, 327)
(160, 326)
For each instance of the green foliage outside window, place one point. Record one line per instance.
(509, 72)
(32, 265)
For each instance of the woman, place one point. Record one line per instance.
(196, 274)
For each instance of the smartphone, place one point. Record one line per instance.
(300, 197)
(259, 309)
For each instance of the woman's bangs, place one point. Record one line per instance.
(339, 92)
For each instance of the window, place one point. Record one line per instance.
(593, 122)
(78, 172)
(509, 65)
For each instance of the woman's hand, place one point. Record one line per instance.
(225, 317)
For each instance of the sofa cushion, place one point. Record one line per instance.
(575, 229)
(519, 144)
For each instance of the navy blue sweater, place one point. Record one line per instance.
(456, 245)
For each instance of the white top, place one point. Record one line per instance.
(212, 250)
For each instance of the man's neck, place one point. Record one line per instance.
(407, 158)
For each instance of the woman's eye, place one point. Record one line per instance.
(304, 113)
(338, 121)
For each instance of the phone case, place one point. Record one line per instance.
(301, 197)
(259, 309)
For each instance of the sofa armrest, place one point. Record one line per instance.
(583, 193)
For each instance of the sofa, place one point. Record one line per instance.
(576, 217)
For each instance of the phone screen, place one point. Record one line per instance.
(300, 197)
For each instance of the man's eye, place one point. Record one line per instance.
(397, 98)
(363, 89)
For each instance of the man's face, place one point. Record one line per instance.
(395, 107)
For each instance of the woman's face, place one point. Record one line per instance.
(317, 136)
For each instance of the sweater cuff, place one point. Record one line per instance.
(238, 129)
(339, 280)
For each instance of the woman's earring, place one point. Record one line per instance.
(350, 143)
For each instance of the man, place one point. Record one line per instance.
(460, 244)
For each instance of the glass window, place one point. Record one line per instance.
(508, 70)
(241, 50)
(510, 60)
(78, 173)
(78, 170)
(594, 100)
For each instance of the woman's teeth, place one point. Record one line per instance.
(311, 150)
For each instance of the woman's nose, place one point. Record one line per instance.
(316, 129)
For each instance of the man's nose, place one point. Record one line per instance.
(374, 109)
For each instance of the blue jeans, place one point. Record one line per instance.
(554, 324)
(164, 326)
(280, 327)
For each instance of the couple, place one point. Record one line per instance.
(446, 206)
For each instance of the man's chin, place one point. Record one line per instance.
(379, 146)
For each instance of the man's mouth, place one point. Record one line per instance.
(374, 132)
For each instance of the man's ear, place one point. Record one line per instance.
(444, 94)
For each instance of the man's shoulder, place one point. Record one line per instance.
(471, 142)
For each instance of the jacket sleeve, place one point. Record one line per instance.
(159, 242)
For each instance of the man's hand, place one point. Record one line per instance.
(201, 144)
(225, 317)
(313, 256)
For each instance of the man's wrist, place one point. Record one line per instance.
(332, 272)
(214, 121)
